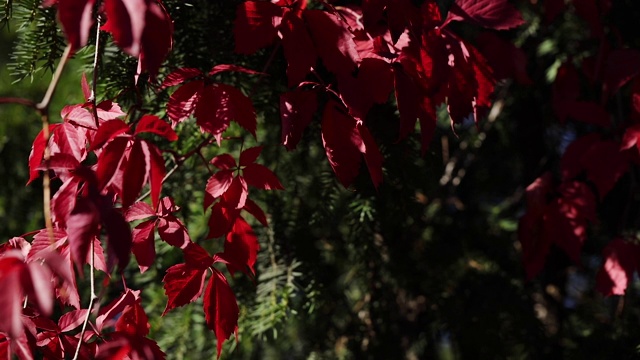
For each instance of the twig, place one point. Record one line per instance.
(19, 101)
(92, 97)
(43, 108)
(93, 298)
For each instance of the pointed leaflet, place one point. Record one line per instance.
(236, 194)
(107, 131)
(342, 143)
(109, 313)
(250, 155)
(37, 153)
(224, 162)
(143, 247)
(254, 27)
(222, 218)
(183, 101)
(620, 261)
(109, 161)
(133, 321)
(153, 124)
(196, 257)
(11, 268)
(64, 200)
(218, 184)
(333, 41)
(182, 285)
(138, 211)
(229, 67)
(118, 237)
(372, 155)
(156, 38)
(135, 173)
(296, 111)
(173, 231)
(179, 76)
(219, 104)
(261, 177)
(241, 248)
(157, 170)
(493, 14)
(82, 226)
(66, 139)
(372, 85)
(255, 210)
(126, 22)
(77, 20)
(298, 46)
(220, 308)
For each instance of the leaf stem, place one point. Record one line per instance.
(94, 83)
(91, 301)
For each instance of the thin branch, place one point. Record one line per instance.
(43, 108)
(19, 101)
(91, 301)
(43, 105)
(94, 84)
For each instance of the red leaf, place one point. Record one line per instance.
(342, 143)
(108, 110)
(76, 17)
(64, 200)
(250, 155)
(236, 195)
(66, 139)
(119, 238)
(179, 76)
(110, 312)
(126, 22)
(72, 320)
(37, 153)
(183, 101)
(156, 38)
(220, 308)
(493, 14)
(133, 321)
(241, 248)
(11, 267)
(138, 211)
(506, 60)
(261, 177)
(157, 171)
(218, 184)
(182, 285)
(226, 67)
(82, 227)
(224, 162)
(254, 25)
(333, 41)
(153, 124)
(620, 261)
(372, 85)
(107, 131)
(372, 156)
(143, 245)
(135, 172)
(571, 164)
(197, 257)
(255, 210)
(296, 112)
(173, 231)
(109, 161)
(222, 103)
(298, 46)
(221, 220)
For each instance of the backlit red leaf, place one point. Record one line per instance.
(620, 262)
(182, 285)
(182, 102)
(296, 112)
(298, 46)
(333, 41)
(179, 76)
(76, 17)
(126, 22)
(241, 248)
(493, 14)
(143, 246)
(107, 131)
(261, 177)
(153, 124)
(254, 25)
(220, 308)
(250, 155)
(342, 143)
